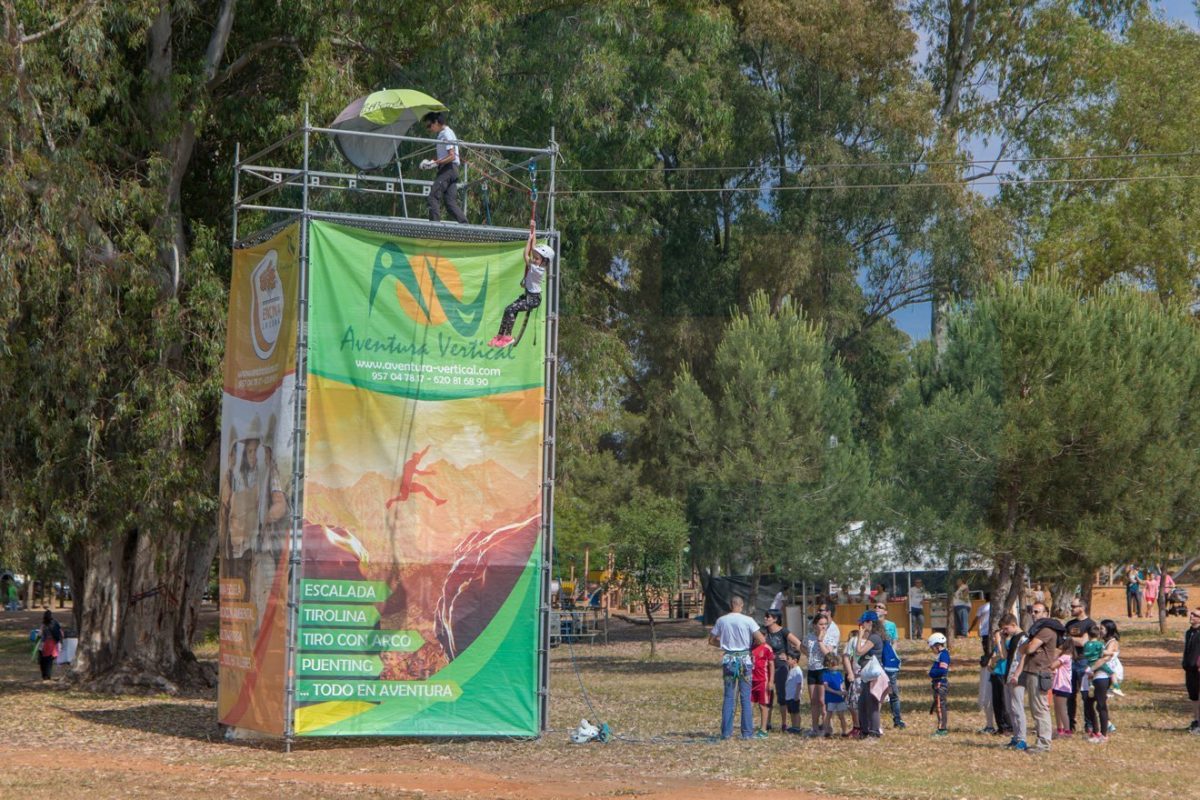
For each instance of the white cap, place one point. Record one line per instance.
(545, 251)
(937, 638)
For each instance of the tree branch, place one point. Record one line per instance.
(79, 11)
(243, 61)
(218, 40)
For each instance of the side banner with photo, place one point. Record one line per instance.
(257, 423)
(422, 494)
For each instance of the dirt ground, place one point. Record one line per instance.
(65, 743)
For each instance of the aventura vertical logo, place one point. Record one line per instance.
(429, 289)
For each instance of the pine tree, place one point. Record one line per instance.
(767, 459)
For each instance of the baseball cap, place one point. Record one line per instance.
(869, 616)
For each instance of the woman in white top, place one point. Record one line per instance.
(816, 645)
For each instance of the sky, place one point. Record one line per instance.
(915, 319)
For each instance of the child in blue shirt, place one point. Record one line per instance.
(835, 693)
(939, 679)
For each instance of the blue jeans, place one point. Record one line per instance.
(960, 620)
(735, 671)
(894, 695)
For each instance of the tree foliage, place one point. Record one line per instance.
(714, 343)
(1059, 433)
(650, 537)
(768, 459)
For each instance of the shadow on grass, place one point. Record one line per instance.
(199, 723)
(615, 664)
(181, 720)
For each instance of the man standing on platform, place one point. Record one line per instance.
(445, 185)
(735, 633)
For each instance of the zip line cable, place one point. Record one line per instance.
(836, 186)
(888, 164)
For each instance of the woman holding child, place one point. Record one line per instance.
(870, 646)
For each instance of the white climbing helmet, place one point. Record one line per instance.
(937, 638)
(585, 733)
(545, 251)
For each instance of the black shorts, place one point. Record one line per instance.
(793, 706)
(814, 677)
(1062, 693)
(1192, 679)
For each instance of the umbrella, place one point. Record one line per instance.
(386, 111)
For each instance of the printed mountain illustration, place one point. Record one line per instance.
(334, 476)
(480, 496)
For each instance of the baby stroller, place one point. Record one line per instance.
(1177, 602)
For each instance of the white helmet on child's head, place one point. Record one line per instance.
(545, 251)
(937, 638)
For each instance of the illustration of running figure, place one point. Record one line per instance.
(407, 483)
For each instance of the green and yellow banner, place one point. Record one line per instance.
(255, 491)
(422, 492)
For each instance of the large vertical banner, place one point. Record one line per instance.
(257, 423)
(422, 495)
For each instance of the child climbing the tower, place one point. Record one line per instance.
(537, 261)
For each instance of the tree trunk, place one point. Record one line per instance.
(1085, 592)
(1000, 579)
(1012, 593)
(1062, 593)
(137, 612)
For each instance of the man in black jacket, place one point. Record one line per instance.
(1191, 667)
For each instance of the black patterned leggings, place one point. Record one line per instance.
(526, 302)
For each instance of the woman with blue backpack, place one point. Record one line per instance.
(891, 663)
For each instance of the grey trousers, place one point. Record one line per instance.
(1039, 707)
(445, 187)
(1014, 696)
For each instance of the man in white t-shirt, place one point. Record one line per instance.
(735, 633)
(445, 185)
(916, 610)
(983, 618)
